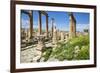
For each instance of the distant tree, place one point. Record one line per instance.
(86, 30)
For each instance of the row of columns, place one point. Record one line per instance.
(72, 31)
(30, 14)
(40, 22)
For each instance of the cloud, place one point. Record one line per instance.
(35, 24)
(81, 27)
(25, 23)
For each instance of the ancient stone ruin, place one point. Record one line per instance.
(38, 41)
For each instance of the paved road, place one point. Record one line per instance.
(27, 54)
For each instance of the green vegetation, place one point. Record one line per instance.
(46, 53)
(86, 30)
(36, 30)
(75, 49)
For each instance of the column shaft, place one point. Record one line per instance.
(39, 23)
(47, 25)
(31, 23)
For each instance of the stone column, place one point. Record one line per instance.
(52, 22)
(47, 25)
(72, 31)
(67, 37)
(54, 36)
(39, 23)
(31, 24)
(58, 36)
(62, 36)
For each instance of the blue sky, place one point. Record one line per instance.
(61, 20)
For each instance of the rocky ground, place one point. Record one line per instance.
(28, 53)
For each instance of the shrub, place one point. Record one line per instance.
(65, 50)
